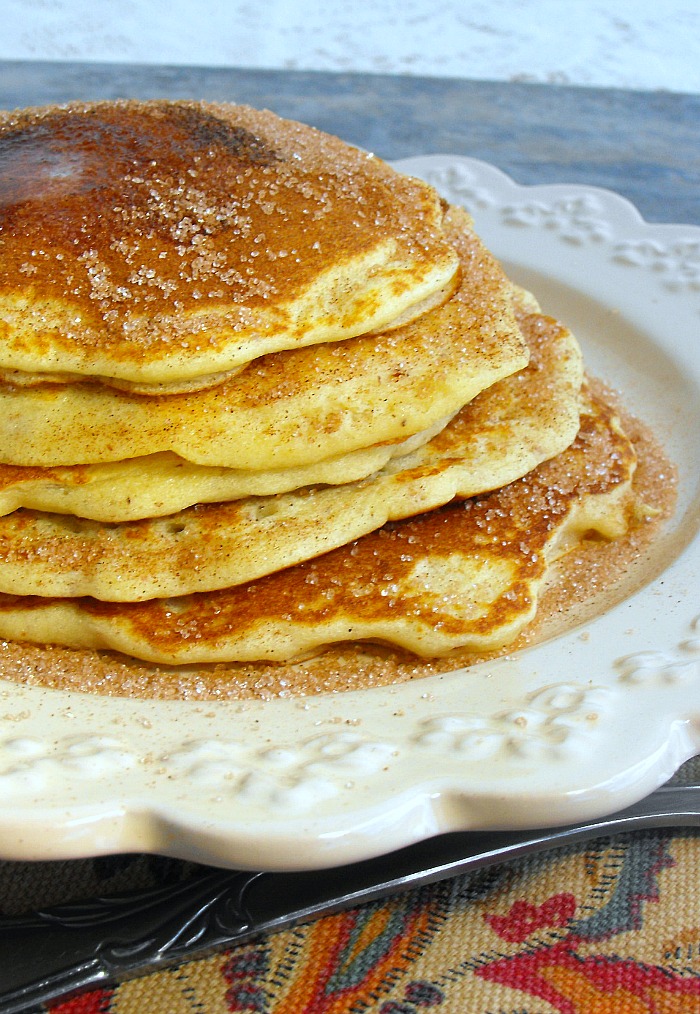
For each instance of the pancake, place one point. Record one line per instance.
(464, 576)
(500, 436)
(291, 408)
(170, 243)
(160, 484)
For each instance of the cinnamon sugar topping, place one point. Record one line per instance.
(151, 241)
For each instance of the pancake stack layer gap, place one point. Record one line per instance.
(263, 400)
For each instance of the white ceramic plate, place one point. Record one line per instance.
(580, 726)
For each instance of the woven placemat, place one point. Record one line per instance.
(610, 928)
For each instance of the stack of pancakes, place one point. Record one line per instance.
(261, 394)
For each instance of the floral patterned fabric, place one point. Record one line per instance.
(608, 927)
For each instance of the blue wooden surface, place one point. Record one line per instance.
(645, 145)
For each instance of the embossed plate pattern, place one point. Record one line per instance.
(581, 726)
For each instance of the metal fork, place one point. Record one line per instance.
(58, 952)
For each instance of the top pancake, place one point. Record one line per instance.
(295, 407)
(166, 243)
